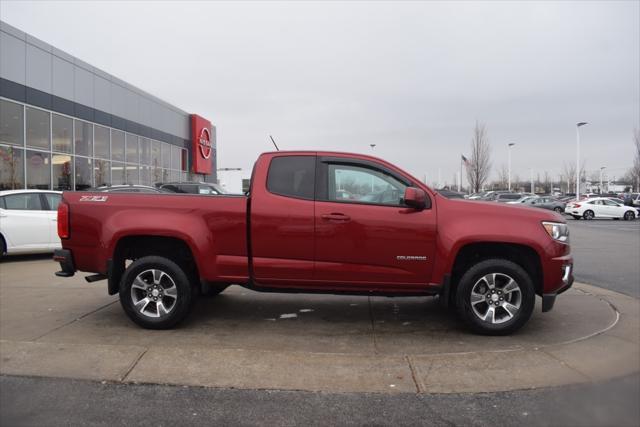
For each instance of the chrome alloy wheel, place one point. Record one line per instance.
(496, 298)
(154, 293)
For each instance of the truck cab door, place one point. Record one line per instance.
(282, 221)
(366, 237)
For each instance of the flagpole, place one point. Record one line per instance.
(460, 176)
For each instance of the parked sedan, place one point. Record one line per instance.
(129, 188)
(28, 221)
(600, 207)
(547, 203)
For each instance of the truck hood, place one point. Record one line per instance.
(493, 210)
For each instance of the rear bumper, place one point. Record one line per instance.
(64, 257)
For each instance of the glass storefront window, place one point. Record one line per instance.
(84, 138)
(176, 157)
(83, 169)
(38, 170)
(62, 165)
(132, 148)
(101, 172)
(117, 173)
(11, 168)
(156, 155)
(145, 151)
(11, 123)
(166, 155)
(101, 141)
(38, 128)
(62, 133)
(145, 175)
(117, 145)
(131, 174)
(184, 160)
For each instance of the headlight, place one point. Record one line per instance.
(557, 231)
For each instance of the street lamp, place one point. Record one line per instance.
(578, 159)
(511, 144)
(601, 169)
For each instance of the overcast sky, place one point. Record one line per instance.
(411, 78)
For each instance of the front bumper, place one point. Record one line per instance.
(64, 257)
(549, 299)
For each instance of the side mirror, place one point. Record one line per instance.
(415, 198)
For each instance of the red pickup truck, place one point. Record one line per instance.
(318, 222)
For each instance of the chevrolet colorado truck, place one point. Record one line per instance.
(318, 222)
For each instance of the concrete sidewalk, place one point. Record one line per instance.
(67, 328)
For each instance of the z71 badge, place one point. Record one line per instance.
(93, 198)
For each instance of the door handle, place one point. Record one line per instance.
(336, 217)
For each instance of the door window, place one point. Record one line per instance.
(53, 200)
(292, 176)
(24, 202)
(358, 184)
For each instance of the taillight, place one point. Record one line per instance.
(63, 220)
(576, 205)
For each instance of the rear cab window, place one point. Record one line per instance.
(292, 176)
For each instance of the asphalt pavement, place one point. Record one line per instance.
(29, 401)
(607, 254)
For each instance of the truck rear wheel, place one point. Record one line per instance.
(495, 297)
(155, 293)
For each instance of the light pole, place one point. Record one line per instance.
(511, 144)
(531, 176)
(601, 169)
(578, 159)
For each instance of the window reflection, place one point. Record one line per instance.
(62, 133)
(11, 168)
(83, 169)
(38, 170)
(11, 123)
(38, 128)
(62, 172)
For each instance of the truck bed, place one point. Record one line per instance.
(214, 228)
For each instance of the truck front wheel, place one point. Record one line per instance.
(155, 293)
(495, 297)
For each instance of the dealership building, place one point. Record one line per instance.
(66, 125)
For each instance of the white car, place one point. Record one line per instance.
(28, 221)
(600, 207)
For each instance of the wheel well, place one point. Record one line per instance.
(131, 248)
(3, 245)
(471, 254)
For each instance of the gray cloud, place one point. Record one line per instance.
(410, 77)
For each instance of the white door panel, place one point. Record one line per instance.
(25, 229)
(25, 226)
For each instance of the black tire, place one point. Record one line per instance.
(629, 216)
(558, 209)
(503, 268)
(3, 246)
(176, 277)
(588, 215)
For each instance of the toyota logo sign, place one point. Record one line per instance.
(205, 143)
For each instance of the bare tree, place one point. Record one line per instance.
(568, 176)
(479, 164)
(503, 177)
